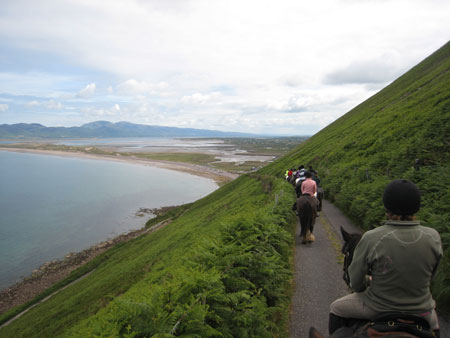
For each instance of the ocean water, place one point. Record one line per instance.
(50, 205)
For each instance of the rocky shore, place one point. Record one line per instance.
(54, 271)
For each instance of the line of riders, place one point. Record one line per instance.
(389, 268)
(309, 199)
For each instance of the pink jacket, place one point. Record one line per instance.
(309, 186)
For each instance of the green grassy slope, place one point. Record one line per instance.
(221, 269)
(380, 140)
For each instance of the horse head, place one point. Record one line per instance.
(313, 333)
(350, 242)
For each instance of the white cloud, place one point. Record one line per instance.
(198, 98)
(262, 58)
(52, 104)
(3, 107)
(115, 108)
(136, 87)
(372, 71)
(33, 103)
(88, 91)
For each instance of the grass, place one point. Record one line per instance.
(194, 158)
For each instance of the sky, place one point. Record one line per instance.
(268, 67)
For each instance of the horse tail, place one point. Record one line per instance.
(305, 214)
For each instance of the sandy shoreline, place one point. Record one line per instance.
(52, 272)
(214, 174)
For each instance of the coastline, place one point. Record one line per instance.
(216, 175)
(52, 272)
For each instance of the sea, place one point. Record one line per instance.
(51, 206)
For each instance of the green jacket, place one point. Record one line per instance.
(402, 258)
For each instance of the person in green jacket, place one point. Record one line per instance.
(400, 257)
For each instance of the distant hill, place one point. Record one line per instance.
(104, 129)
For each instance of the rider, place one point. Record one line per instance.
(301, 173)
(401, 258)
(309, 186)
(316, 178)
(299, 179)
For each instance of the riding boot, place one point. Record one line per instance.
(335, 322)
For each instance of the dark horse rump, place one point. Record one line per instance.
(307, 213)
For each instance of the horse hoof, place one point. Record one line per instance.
(311, 238)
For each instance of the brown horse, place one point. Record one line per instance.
(307, 213)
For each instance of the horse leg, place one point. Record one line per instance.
(310, 237)
(304, 221)
(298, 190)
(312, 219)
(303, 229)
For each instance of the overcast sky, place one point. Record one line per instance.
(278, 67)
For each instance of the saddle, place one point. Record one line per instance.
(394, 324)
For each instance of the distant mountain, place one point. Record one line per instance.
(104, 129)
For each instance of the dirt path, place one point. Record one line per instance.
(318, 275)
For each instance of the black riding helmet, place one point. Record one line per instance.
(401, 197)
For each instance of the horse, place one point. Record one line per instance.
(298, 187)
(307, 213)
(320, 195)
(388, 325)
(350, 243)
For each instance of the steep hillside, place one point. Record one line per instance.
(401, 132)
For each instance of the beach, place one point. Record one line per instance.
(54, 271)
(218, 176)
